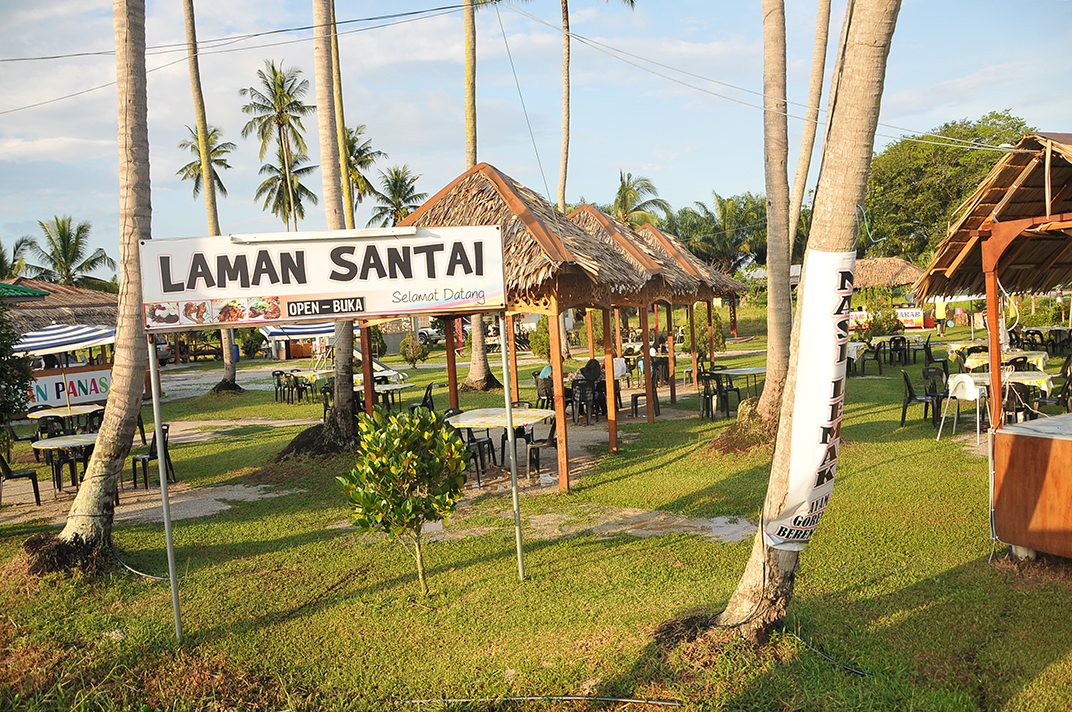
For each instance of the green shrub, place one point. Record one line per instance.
(250, 340)
(410, 470)
(379, 346)
(413, 351)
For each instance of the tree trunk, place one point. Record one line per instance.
(340, 123)
(811, 123)
(418, 554)
(341, 427)
(565, 107)
(469, 13)
(89, 522)
(766, 587)
(226, 335)
(776, 160)
(480, 375)
(563, 336)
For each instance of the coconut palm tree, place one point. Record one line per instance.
(398, 197)
(359, 157)
(281, 187)
(217, 152)
(636, 199)
(277, 110)
(66, 256)
(13, 264)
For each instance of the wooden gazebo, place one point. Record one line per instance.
(551, 265)
(888, 272)
(1014, 235)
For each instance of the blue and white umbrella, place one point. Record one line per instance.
(58, 338)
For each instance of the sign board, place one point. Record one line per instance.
(256, 280)
(815, 436)
(910, 317)
(79, 385)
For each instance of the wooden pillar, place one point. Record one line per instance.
(560, 399)
(733, 315)
(366, 370)
(670, 351)
(992, 319)
(618, 330)
(649, 391)
(608, 365)
(591, 340)
(513, 356)
(692, 340)
(711, 332)
(452, 361)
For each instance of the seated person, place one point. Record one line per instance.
(546, 372)
(591, 371)
(621, 368)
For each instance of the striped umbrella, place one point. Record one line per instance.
(58, 338)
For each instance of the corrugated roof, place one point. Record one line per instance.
(14, 293)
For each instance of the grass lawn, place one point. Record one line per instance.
(284, 610)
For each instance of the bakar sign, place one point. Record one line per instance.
(240, 280)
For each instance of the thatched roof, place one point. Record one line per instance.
(64, 305)
(886, 272)
(543, 251)
(645, 256)
(719, 284)
(1012, 197)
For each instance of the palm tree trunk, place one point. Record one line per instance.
(340, 123)
(766, 587)
(284, 141)
(565, 107)
(342, 424)
(469, 13)
(811, 123)
(776, 160)
(209, 185)
(89, 522)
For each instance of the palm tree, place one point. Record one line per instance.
(277, 110)
(283, 191)
(359, 157)
(66, 255)
(398, 198)
(217, 158)
(14, 264)
(636, 199)
(566, 100)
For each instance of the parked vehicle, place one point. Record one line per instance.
(432, 335)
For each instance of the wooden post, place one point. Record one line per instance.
(670, 352)
(992, 316)
(591, 341)
(733, 315)
(516, 387)
(711, 332)
(366, 370)
(695, 358)
(648, 390)
(452, 361)
(618, 330)
(560, 399)
(608, 365)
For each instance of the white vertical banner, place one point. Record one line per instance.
(815, 436)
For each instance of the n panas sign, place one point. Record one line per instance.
(247, 280)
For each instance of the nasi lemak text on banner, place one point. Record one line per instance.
(246, 280)
(820, 396)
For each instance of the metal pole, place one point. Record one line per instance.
(161, 460)
(513, 455)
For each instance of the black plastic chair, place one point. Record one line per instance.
(426, 402)
(533, 447)
(899, 350)
(1058, 397)
(521, 432)
(636, 399)
(584, 397)
(6, 473)
(968, 352)
(937, 389)
(870, 353)
(723, 388)
(280, 386)
(1020, 363)
(545, 393)
(327, 395)
(912, 397)
(145, 458)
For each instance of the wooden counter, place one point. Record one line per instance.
(1033, 484)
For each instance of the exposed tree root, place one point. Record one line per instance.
(226, 386)
(750, 431)
(47, 553)
(317, 441)
(488, 384)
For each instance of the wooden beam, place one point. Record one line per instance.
(1049, 186)
(366, 370)
(1057, 254)
(692, 340)
(1015, 186)
(452, 361)
(648, 390)
(591, 340)
(963, 254)
(992, 317)
(608, 366)
(670, 352)
(618, 330)
(562, 448)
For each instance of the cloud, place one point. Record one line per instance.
(953, 92)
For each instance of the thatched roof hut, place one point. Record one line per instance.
(888, 272)
(64, 305)
(719, 284)
(544, 253)
(1019, 220)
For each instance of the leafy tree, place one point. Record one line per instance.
(398, 197)
(277, 110)
(410, 470)
(13, 264)
(359, 158)
(66, 255)
(917, 183)
(413, 351)
(278, 194)
(729, 236)
(636, 199)
(217, 157)
(16, 375)
(540, 339)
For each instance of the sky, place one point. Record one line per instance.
(404, 80)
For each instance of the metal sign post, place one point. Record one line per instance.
(507, 390)
(161, 459)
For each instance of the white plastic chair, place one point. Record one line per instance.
(962, 387)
